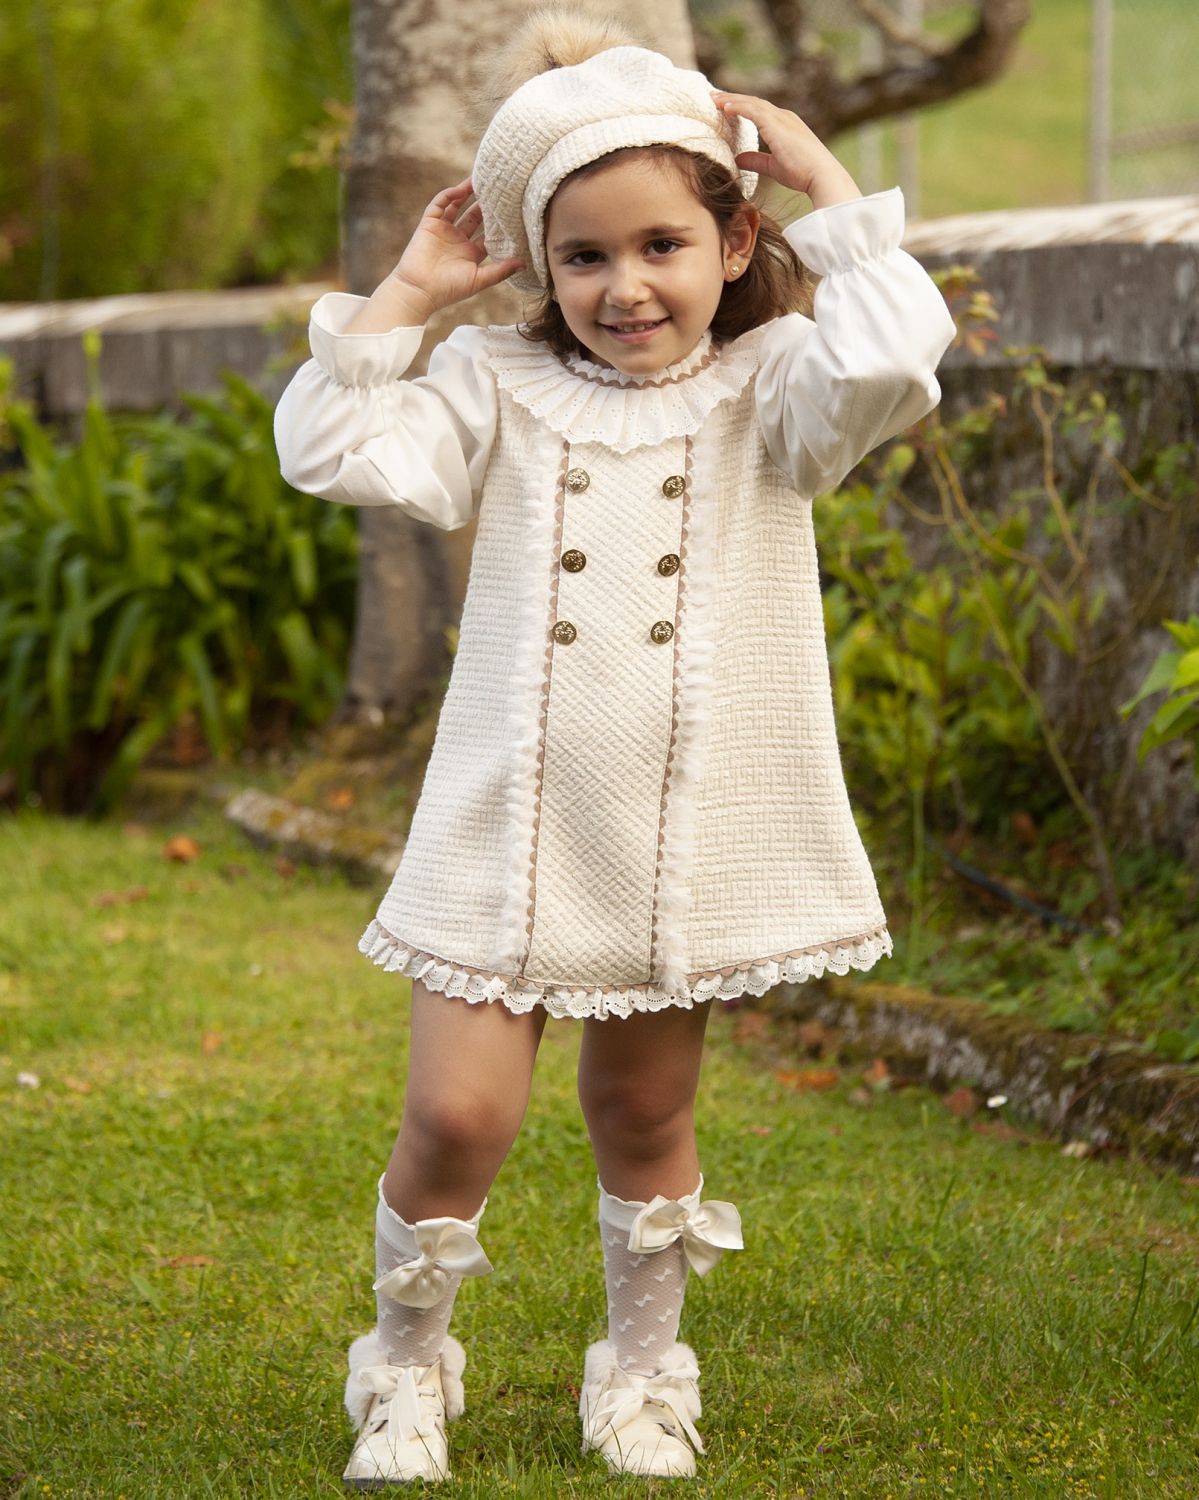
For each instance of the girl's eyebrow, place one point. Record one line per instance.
(654, 232)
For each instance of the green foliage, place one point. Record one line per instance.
(156, 147)
(153, 570)
(936, 664)
(1176, 673)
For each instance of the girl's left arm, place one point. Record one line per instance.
(828, 391)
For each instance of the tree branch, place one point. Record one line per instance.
(807, 81)
(881, 16)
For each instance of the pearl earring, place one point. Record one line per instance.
(735, 269)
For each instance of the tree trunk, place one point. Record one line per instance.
(414, 134)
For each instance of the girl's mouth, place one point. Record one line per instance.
(634, 332)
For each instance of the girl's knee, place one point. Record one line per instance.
(455, 1124)
(641, 1121)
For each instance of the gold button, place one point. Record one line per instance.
(661, 631)
(577, 480)
(574, 561)
(564, 632)
(668, 564)
(673, 487)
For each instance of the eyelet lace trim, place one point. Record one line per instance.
(443, 976)
(586, 403)
(704, 354)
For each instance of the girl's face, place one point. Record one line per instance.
(637, 264)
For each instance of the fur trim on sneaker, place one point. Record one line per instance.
(368, 1350)
(642, 1424)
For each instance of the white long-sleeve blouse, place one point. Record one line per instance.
(635, 795)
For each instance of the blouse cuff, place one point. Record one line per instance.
(357, 359)
(846, 235)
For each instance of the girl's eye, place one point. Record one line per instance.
(664, 247)
(580, 258)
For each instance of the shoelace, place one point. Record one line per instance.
(627, 1397)
(413, 1407)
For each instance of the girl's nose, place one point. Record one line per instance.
(626, 284)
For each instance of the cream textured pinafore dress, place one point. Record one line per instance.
(635, 796)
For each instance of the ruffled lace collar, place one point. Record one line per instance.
(585, 402)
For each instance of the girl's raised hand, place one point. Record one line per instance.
(443, 261)
(797, 157)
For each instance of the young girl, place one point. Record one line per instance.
(635, 803)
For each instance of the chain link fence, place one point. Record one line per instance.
(1144, 138)
(1143, 108)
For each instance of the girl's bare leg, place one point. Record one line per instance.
(637, 1083)
(470, 1068)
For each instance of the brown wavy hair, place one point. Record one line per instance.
(775, 280)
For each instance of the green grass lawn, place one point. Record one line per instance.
(924, 1307)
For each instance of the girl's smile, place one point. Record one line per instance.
(637, 264)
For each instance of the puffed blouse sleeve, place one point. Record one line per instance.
(830, 390)
(350, 428)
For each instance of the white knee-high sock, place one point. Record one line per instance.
(645, 1290)
(418, 1270)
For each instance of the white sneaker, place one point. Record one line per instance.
(400, 1414)
(642, 1424)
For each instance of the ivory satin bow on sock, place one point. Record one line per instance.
(706, 1231)
(448, 1247)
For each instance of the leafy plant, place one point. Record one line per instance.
(153, 570)
(1176, 673)
(936, 665)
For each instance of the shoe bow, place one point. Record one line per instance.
(407, 1417)
(626, 1399)
(447, 1248)
(707, 1231)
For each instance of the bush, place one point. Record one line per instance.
(154, 570)
(150, 148)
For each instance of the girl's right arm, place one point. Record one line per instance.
(350, 429)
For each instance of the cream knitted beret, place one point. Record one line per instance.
(566, 117)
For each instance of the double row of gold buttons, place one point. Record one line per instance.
(575, 561)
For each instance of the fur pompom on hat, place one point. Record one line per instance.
(573, 90)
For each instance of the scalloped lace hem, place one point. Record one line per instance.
(521, 995)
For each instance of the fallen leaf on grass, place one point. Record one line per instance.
(809, 1078)
(877, 1075)
(121, 898)
(77, 1085)
(750, 1025)
(1076, 1148)
(234, 872)
(176, 1262)
(859, 1095)
(182, 849)
(210, 1042)
(816, 1038)
(28, 1081)
(761, 1130)
(284, 867)
(114, 932)
(339, 798)
(961, 1102)
(1002, 1131)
